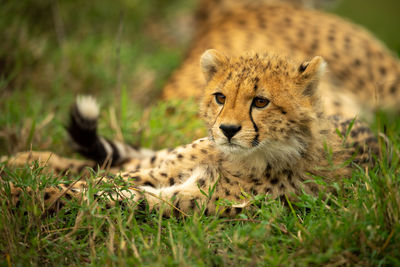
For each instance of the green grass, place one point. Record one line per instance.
(122, 52)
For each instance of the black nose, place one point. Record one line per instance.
(230, 130)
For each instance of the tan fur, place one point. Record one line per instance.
(362, 74)
(271, 50)
(277, 149)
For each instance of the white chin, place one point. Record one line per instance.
(229, 148)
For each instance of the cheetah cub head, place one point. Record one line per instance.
(261, 104)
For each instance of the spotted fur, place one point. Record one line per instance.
(275, 148)
(363, 74)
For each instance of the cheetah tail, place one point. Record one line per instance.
(82, 129)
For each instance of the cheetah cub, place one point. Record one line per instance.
(267, 135)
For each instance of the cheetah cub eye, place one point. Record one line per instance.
(260, 102)
(219, 98)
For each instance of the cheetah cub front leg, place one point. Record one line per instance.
(185, 181)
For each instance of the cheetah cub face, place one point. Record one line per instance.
(261, 104)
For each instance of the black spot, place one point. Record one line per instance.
(192, 204)
(177, 203)
(347, 42)
(149, 184)
(274, 181)
(141, 205)
(289, 175)
(261, 22)
(241, 22)
(179, 156)
(204, 151)
(122, 203)
(300, 34)
(361, 82)
(335, 55)
(175, 212)
(171, 181)
(153, 159)
(68, 196)
(343, 74)
(314, 45)
(193, 157)
(393, 89)
(136, 178)
(238, 210)
(47, 196)
(283, 200)
(288, 21)
(357, 62)
(268, 171)
(227, 192)
(314, 189)
(382, 70)
(163, 174)
(256, 181)
(229, 76)
(228, 210)
(206, 212)
(357, 131)
(227, 180)
(361, 150)
(371, 140)
(337, 103)
(201, 182)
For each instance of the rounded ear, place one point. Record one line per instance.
(210, 62)
(310, 72)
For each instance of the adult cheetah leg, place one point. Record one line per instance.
(359, 137)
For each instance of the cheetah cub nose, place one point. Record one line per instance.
(230, 130)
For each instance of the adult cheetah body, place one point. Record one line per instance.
(362, 73)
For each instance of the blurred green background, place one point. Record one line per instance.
(121, 51)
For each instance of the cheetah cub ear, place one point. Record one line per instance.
(310, 73)
(210, 62)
